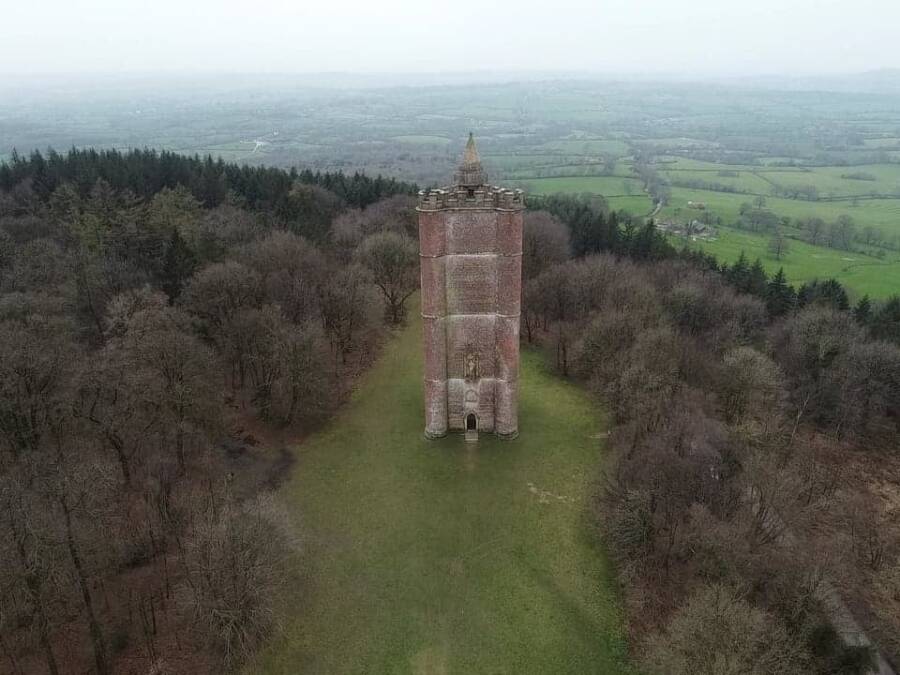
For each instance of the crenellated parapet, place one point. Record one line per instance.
(484, 197)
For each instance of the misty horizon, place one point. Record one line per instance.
(114, 85)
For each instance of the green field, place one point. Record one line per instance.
(602, 185)
(862, 274)
(880, 213)
(590, 146)
(835, 181)
(676, 163)
(830, 181)
(745, 181)
(622, 193)
(637, 204)
(447, 557)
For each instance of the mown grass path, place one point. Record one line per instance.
(447, 557)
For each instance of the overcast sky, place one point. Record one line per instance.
(719, 37)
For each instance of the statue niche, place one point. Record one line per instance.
(472, 365)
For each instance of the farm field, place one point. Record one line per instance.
(835, 181)
(615, 189)
(880, 213)
(639, 204)
(862, 274)
(582, 146)
(842, 190)
(608, 186)
(744, 181)
(448, 557)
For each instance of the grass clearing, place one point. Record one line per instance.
(447, 557)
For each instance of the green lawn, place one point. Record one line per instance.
(447, 557)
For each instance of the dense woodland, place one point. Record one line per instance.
(159, 317)
(162, 314)
(754, 430)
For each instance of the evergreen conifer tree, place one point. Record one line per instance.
(863, 310)
(738, 275)
(756, 280)
(780, 296)
(178, 265)
(886, 321)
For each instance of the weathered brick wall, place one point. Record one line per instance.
(471, 266)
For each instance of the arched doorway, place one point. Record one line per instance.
(471, 422)
(471, 427)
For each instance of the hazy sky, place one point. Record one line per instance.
(646, 36)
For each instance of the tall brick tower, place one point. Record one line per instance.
(470, 239)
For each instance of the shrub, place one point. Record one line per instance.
(719, 633)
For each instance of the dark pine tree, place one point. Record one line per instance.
(738, 275)
(146, 172)
(829, 293)
(780, 296)
(863, 311)
(757, 280)
(886, 320)
(178, 265)
(834, 292)
(648, 243)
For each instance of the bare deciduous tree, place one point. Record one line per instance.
(234, 558)
(717, 632)
(545, 242)
(392, 259)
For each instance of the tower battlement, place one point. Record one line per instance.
(460, 197)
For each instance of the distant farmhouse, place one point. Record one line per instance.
(696, 230)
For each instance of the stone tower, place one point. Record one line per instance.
(470, 239)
